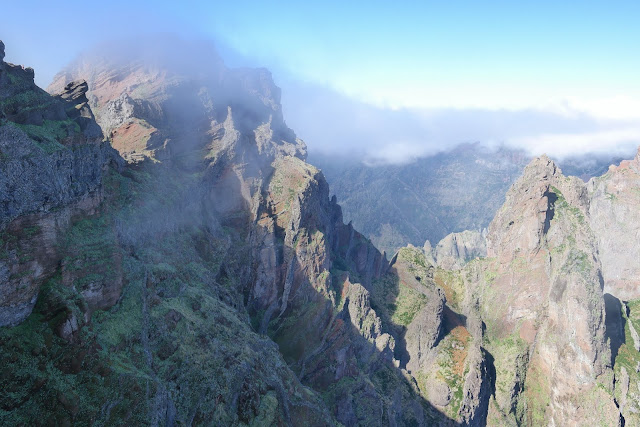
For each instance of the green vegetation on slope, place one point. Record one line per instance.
(176, 342)
(395, 205)
(400, 300)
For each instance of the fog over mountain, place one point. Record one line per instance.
(319, 214)
(334, 124)
(390, 118)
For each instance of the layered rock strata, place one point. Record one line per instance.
(52, 163)
(613, 217)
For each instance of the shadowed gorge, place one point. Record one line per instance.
(214, 279)
(168, 256)
(458, 189)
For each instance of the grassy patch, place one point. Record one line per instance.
(562, 208)
(49, 135)
(536, 400)
(25, 101)
(452, 284)
(406, 306)
(395, 301)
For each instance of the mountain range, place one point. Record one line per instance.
(168, 256)
(428, 198)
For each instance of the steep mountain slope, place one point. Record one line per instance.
(176, 281)
(562, 351)
(615, 198)
(52, 161)
(226, 126)
(343, 321)
(214, 242)
(211, 279)
(456, 190)
(424, 200)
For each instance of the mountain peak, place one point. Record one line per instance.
(75, 91)
(542, 167)
(626, 164)
(139, 93)
(530, 197)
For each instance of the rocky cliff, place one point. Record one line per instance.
(561, 256)
(550, 346)
(542, 295)
(216, 282)
(615, 198)
(212, 280)
(613, 218)
(127, 241)
(52, 163)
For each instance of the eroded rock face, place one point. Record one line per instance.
(305, 278)
(438, 335)
(543, 301)
(219, 232)
(53, 162)
(477, 388)
(540, 296)
(241, 241)
(456, 249)
(613, 217)
(368, 323)
(423, 333)
(74, 95)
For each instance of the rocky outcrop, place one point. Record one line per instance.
(423, 333)
(456, 249)
(477, 388)
(217, 199)
(613, 217)
(366, 320)
(74, 95)
(622, 384)
(52, 162)
(542, 298)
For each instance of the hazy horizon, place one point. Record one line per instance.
(389, 83)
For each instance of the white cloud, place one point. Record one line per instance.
(336, 124)
(619, 107)
(396, 153)
(618, 141)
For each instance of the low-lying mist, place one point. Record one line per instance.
(333, 124)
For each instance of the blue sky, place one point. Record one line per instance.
(493, 55)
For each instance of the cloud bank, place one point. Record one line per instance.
(335, 124)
